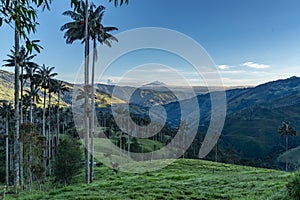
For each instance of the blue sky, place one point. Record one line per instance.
(250, 41)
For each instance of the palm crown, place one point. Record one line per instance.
(6, 110)
(75, 30)
(286, 129)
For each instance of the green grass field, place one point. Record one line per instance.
(184, 179)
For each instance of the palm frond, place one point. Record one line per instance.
(75, 16)
(108, 29)
(70, 25)
(119, 2)
(98, 11)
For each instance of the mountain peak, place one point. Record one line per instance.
(293, 78)
(156, 84)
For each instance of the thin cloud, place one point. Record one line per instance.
(255, 65)
(223, 67)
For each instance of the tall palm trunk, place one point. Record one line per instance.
(86, 99)
(286, 149)
(44, 113)
(21, 97)
(216, 153)
(57, 120)
(31, 102)
(129, 130)
(93, 113)
(44, 134)
(31, 131)
(50, 138)
(6, 152)
(21, 121)
(16, 102)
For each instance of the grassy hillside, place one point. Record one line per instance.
(145, 97)
(6, 86)
(7, 93)
(184, 179)
(254, 131)
(292, 156)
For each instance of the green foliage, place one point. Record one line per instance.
(33, 147)
(76, 3)
(119, 2)
(68, 160)
(293, 187)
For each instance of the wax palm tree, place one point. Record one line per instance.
(285, 130)
(34, 86)
(101, 34)
(26, 104)
(24, 60)
(24, 16)
(45, 77)
(51, 89)
(76, 3)
(78, 30)
(60, 88)
(6, 112)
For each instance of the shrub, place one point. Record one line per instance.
(293, 187)
(67, 161)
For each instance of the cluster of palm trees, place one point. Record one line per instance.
(35, 81)
(21, 16)
(6, 113)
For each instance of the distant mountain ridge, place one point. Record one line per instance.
(253, 114)
(156, 84)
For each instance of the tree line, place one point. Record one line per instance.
(22, 17)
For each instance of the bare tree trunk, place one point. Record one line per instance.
(50, 138)
(30, 166)
(129, 130)
(57, 120)
(183, 145)
(128, 146)
(44, 135)
(17, 109)
(286, 149)
(44, 114)
(21, 98)
(31, 101)
(21, 122)
(6, 153)
(21, 163)
(93, 114)
(31, 131)
(86, 99)
(216, 153)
